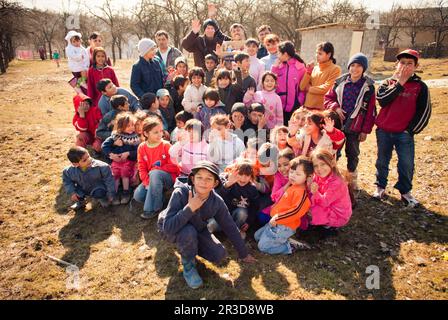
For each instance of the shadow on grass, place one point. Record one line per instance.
(336, 265)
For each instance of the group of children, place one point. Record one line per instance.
(242, 152)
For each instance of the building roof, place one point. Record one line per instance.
(354, 26)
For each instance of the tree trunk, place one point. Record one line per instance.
(120, 49)
(113, 51)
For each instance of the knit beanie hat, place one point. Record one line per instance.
(144, 45)
(210, 22)
(239, 107)
(359, 58)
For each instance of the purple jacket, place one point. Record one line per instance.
(289, 76)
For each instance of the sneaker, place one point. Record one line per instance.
(116, 201)
(409, 200)
(298, 245)
(379, 193)
(149, 215)
(78, 205)
(191, 274)
(125, 197)
(104, 202)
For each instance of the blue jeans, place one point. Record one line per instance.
(152, 197)
(274, 240)
(403, 143)
(239, 215)
(97, 193)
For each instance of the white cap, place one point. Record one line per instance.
(144, 45)
(71, 34)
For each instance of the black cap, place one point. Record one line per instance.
(207, 165)
(211, 22)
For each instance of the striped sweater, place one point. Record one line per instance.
(291, 207)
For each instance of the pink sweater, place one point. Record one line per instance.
(331, 204)
(272, 104)
(277, 189)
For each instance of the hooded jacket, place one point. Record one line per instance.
(177, 215)
(91, 119)
(78, 58)
(334, 100)
(289, 75)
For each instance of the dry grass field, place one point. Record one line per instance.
(122, 257)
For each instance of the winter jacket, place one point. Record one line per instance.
(169, 114)
(290, 75)
(178, 215)
(130, 144)
(104, 102)
(405, 107)
(334, 100)
(239, 196)
(272, 104)
(83, 183)
(262, 52)
(201, 46)
(106, 125)
(173, 54)
(233, 93)
(78, 58)
(209, 75)
(321, 80)
(91, 119)
(94, 76)
(291, 207)
(147, 76)
(193, 97)
(205, 113)
(155, 158)
(187, 154)
(331, 204)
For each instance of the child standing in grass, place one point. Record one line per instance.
(331, 206)
(319, 79)
(286, 214)
(87, 177)
(99, 70)
(405, 111)
(121, 148)
(157, 171)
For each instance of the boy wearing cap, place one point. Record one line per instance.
(205, 44)
(184, 221)
(353, 99)
(148, 73)
(405, 111)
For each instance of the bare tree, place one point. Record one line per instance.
(414, 21)
(45, 25)
(439, 25)
(11, 14)
(391, 22)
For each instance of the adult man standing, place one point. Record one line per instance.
(166, 53)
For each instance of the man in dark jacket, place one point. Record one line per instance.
(148, 72)
(184, 221)
(203, 45)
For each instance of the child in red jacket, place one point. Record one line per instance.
(353, 99)
(99, 70)
(157, 171)
(86, 120)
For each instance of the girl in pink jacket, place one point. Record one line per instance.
(331, 206)
(268, 98)
(290, 70)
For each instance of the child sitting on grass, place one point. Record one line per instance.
(121, 148)
(286, 214)
(87, 177)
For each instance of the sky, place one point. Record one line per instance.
(381, 5)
